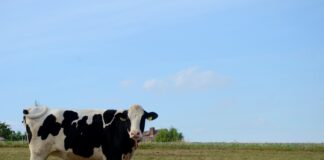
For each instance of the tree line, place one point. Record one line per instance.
(164, 135)
(8, 134)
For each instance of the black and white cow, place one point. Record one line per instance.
(85, 134)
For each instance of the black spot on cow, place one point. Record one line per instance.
(69, 128)
(109, 115)
(25, 111)
(29, 133)
(69, 117)
(116, 139)
(50, 126)
(81, 137)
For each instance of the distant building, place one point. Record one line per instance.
(2, 139)
(149, 136)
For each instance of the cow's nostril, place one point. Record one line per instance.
(135, 133)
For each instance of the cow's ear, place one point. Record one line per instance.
(151, 116)
(122, 116)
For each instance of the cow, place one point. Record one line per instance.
(84, 134)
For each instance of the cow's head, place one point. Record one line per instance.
(136, 116)
(35, 111)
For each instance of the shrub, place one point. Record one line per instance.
(171, 135)
(8, 134)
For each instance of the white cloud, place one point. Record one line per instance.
(126, 83)
(194, 78)
(155, 85)
(150, 84)
(189, 79)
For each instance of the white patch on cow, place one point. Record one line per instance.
(135, 114)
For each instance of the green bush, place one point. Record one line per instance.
(5, 130)
(171, 135)
(8, 134)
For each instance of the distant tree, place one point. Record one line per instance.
(5, 130)
(171, 135)
(8, 134)
(162, 136)
(18, 136)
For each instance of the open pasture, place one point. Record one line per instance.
(199, 151)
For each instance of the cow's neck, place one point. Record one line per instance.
(118, 141)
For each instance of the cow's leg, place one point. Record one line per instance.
(127, 156)
(38, 156)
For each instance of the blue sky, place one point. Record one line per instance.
(219, 71)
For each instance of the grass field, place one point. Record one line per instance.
(199, 151)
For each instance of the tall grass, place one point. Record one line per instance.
(13, 144)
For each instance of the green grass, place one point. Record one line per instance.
(199, 151)
(238, 146)
(13, 144)
(230, 151)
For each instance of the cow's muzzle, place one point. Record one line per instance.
(136, 135)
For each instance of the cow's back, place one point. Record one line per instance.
(70, 134)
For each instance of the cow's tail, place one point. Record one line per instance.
(35, 112)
